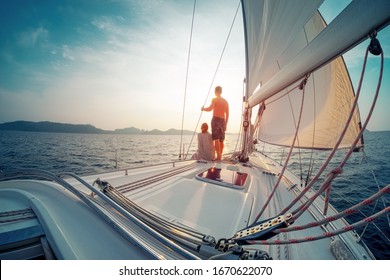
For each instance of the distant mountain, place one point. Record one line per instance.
(50, 127)
(128, 130)
(47, 126)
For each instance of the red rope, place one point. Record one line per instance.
(323, 167)
(326, 234)
(349, 211)
(302, 208)
(327, 197)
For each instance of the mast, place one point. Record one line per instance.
(246, 119)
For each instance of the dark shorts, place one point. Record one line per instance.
(218, 128)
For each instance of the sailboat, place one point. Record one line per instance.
(245, 207)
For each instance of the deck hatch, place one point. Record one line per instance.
(223, 177)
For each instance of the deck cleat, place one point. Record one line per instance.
(262, 230)
(103, 185)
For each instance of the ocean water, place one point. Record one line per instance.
(91, 153)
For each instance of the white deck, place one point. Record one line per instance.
(72, 228)
(171, 192)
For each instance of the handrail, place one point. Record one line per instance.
(149, 250)
(152, 179)
(142, 214)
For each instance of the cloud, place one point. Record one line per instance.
(67, 53)
(130, 71)
(33, 37)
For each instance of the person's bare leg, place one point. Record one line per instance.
(217, 149)
(221, 146)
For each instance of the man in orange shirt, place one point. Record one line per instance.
(220, 108)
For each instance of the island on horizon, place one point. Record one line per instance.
(47, 126)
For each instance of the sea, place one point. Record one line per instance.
(86, 154)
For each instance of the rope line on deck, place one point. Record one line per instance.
(153, 179)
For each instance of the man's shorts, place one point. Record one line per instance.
(218, 128)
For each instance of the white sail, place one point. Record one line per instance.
(270, 27)
(328, 94)
(328, 101)
(349, 28)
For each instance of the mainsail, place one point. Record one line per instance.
(280, 52)
(328, 100)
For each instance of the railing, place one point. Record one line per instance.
(175, 251)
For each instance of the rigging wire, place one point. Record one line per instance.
(300, 210)
(325, 164)
(326, 185)
(239, 138)
(303, 83)
(186, 82)
(215, 74)
(311, 161)
(364, 215)
(299, 149)
(377, 185)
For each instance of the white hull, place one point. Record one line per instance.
(172, 192)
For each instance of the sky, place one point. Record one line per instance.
(123, 63)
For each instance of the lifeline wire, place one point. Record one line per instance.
(185, 87)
